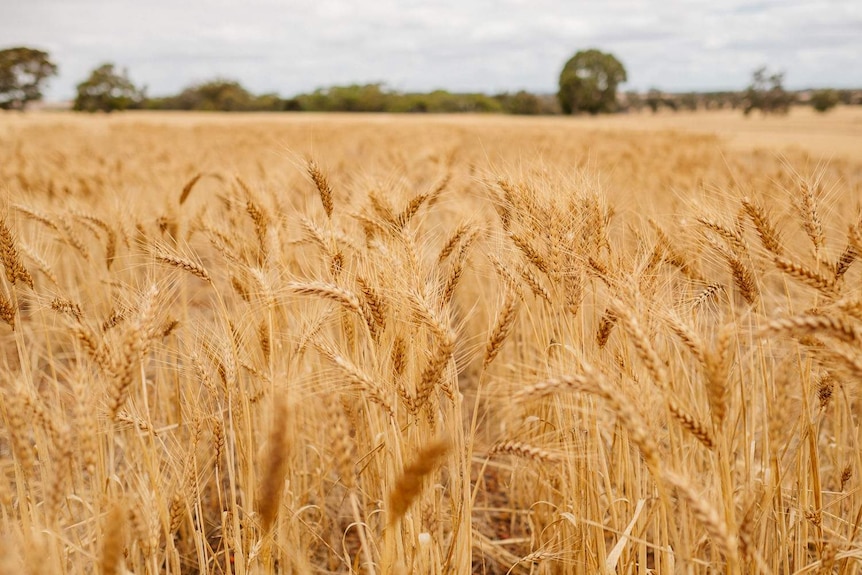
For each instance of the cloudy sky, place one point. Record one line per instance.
(292, 46)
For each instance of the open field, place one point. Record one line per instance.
(371, 344)
(837, 134)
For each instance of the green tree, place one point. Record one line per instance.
(767, 94)
(520, 103)
(824, 100)
(588, 83)
(654, 99)
(23, 73)
(222, 95)
(219, 95)
(107, 90)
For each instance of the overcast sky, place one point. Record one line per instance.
(292, 46)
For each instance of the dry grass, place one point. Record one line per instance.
(233, 345)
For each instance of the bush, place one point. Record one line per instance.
(824, 100)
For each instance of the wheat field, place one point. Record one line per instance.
(364, 344)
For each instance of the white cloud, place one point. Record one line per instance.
(476, 45)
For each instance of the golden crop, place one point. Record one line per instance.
(340, 344)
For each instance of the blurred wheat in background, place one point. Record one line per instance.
(332, 345)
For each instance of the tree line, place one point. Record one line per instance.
(588, 84)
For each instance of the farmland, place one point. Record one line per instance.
(376, 344)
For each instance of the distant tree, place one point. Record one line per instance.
(221, 95)
(654, 99)
(634, 101)
(588, 83)
(268, 103)
(23, 73)
(689, 101)
(721, 100)
(108, 90)
(291, 105)
(549, 104)
(767, 94)
(352, 98)
(850, 97)
(520, 103)
(824, 100)
(218, 95)
(358, 98)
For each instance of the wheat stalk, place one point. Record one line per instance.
(526, 451)
(323, 187)
(408, 486)
(530, 253)
(113, 540)
(502, 328)
(817, 325)
(329, 291)
(8, 311)
(807, 276)
(452, 242)
(765, 229)
(187, 189)
(707, 516)
(274, 466)
(811, 221)
(184, 264)
(15, 270)
(363, 382)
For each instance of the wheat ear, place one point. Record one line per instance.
(185, 264)
(409, 484)
(274, 467)
(15, 270)
(323, 187)
(187, 189)
(502, 328)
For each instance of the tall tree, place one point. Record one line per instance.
(107, 90)
(23, 73)
(588, 83)
(767, 94)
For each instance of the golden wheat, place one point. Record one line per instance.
(676, 395)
